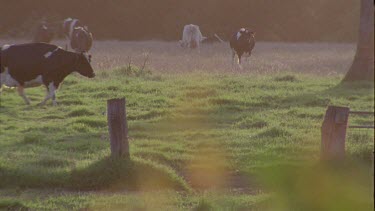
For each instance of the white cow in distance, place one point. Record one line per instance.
(191, 36)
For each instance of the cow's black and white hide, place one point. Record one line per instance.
(35, 64)
(81, 40)
(68, 26)
(242, 43)
(43, 33)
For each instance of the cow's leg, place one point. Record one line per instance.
(21, 92)
(50, 94)
(240, 61)
(46, 98)
(54, 87)
(3, 76)
(198, 46)
(67, 42)
(1, 82)
(248, 59)
(233, 57)
(54, 103)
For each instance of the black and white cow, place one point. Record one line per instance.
(68, 26)
(81, 40)
(242, 43)
(78, 35)
(35, 64)
(43, 33)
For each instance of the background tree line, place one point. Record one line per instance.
(273, 20)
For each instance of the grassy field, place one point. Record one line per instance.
(201, 140)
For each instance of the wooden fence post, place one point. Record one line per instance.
(118, 128)
(334, 133)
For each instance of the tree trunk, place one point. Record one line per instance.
(363, 64)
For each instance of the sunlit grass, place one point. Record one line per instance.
(197, 141)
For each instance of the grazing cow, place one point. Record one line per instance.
(43, 33)
(212, 39)
(191, 36)
(68, 26)
(242, 43)
(81, 40)
(79, 36)
(35, 64)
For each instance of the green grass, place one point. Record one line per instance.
(186, 132)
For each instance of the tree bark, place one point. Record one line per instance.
(363, 64)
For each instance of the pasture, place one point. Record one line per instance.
(202, 136)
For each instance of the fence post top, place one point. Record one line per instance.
(337, 107)
(116, 99)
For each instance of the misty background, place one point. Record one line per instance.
(273, 20)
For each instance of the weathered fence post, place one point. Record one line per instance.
(334, 133)
(118, 128)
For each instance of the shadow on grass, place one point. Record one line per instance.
(342, 92)
(349, 91)
(8, 204)
(106, 174)
(123, 174)
(32, 178)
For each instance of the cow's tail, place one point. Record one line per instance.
(217, 36)
(2, 65)
(2, 59)
(1, 73)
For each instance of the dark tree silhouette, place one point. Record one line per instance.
(363, 64)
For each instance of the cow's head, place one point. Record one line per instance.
(247, 34)
(83, 65)
(252, 34)
(81, 40)
(182, 43)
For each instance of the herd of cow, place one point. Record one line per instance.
(242, 42)
(79, 36)
(40, 63)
